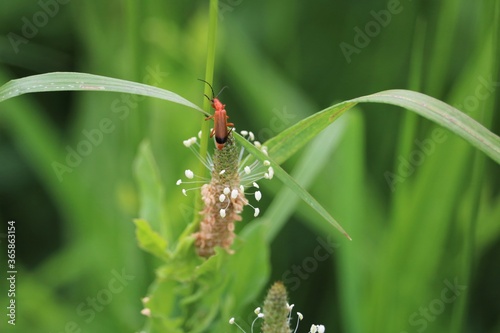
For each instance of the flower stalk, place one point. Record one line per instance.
(223, 200)
(223, 195)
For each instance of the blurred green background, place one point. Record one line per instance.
(434, 224)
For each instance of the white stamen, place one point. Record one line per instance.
(145, 299)
(222, 198)
(251, 136)
(300, 315)
(199, 134)
(257, 144)
(321, 328)
(256, 212)
(178, 182)
(184, 192)
(257, 310)
(244, 133)
(247, 170)
(270, 173)
(258, 195)
(222, 213)
(242, 189)
(255, 185)
(189, 174)
(260, 315)
(187, 143)
(234, 194)
(222, 172)
(313, 329)
(233, 322)
(146, 312)
(226, 190)
(267, 163)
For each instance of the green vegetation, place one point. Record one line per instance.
(419, 198)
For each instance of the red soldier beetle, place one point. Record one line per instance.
(220, 119)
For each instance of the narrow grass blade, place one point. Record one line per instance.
(71, 81)
(309, 165)
(291, 183)
(442, 114)
(288, 142)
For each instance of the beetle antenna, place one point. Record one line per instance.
(221, 90)
(213, 93)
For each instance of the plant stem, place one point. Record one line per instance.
(209, 74)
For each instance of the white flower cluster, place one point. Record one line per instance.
(249, 174)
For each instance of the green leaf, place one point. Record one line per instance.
(285, 144)
(288, 142)
(305, 172)
(252, 254)
(291, 183)
(150, 241)
(442, 114)
(151, 191)
(71, 81)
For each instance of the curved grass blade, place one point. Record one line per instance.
(442, 114)
(288, 142)
(72, 81)
(291, 183)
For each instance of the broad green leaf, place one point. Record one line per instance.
(443, 114)
(256, 258)
(291, 183)
(166, 314)
(149, 240)
(71, 81)
(252, 255)
(151, 191)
